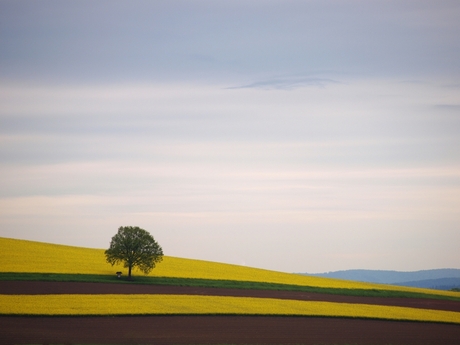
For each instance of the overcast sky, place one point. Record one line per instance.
(299, 136)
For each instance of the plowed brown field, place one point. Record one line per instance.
(218, 329)
(221, 330)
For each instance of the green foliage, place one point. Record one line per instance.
(134, 247)
(455, 289)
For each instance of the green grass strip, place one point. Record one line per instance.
(210, 283)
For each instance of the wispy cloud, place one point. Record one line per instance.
(288, 83)
(448, 106)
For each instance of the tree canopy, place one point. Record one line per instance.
(134, 247)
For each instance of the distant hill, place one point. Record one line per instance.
(438, 284)
(441, 279)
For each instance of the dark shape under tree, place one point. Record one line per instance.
(135, 247)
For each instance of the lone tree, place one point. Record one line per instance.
(135, 247)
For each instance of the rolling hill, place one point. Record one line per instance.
(22, 256)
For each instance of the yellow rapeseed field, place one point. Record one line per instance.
(38, 257)
(189, 304)
(30, 256)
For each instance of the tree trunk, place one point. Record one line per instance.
(129, 273)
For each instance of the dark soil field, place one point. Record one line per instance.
(218, 329)
(221, 330)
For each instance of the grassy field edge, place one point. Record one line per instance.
(211, 283)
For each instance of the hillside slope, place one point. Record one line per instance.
(28, 256)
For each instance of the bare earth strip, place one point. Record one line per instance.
(221, 330)
(37, 287)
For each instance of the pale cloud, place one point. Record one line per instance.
(184, 203)
(230, 40)
(323, 131)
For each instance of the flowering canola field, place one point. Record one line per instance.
(184, 304)
(35, 257)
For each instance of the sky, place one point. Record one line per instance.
(297, 136)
